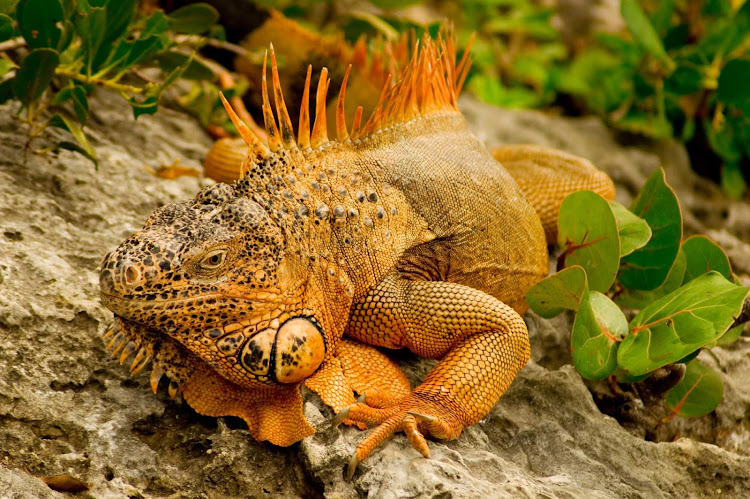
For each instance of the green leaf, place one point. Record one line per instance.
(730, 336)
(647, 268)
(662, 18)
(598, 327)
(733, 81)
(699, 392)
(60, 121)
(147, 106)
(732, 181)
(684, 80)
(35, 74)
(493, 91)
(558, 292)
(680, 323)
(76, 147)
(638, 299)
(76, 94)
(192, 19)
(596, 331)
(642, 30)
(633, 230)
(156, 24)
(8, 6)
(587, 232)
(703, 255)
(38, 22)
(119, 15)
(651, 125)
(5, 66)
(723, 141)
(6, 28)
(91, 23)
(195, 70)
(6, 90)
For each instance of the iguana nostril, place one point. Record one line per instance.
(132, 275)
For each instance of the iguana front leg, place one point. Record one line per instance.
(482, 344)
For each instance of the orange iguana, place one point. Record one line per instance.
(404, 232)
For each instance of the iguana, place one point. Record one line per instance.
(403, 232)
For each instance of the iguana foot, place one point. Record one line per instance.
(362, 369)
(413, 415)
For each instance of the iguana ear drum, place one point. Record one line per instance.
(300, 350)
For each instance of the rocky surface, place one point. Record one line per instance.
(67, 409)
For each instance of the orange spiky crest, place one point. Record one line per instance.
(256, 148)
(429, 83)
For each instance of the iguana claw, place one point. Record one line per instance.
(352, 466)
(424, 417)
(341, 416)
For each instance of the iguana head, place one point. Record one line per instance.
(211, 273)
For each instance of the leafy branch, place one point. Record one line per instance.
(684, 293)
(53, 53)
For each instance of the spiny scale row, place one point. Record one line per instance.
(121, 344)
(429, 83)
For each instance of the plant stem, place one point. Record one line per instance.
(198, 41)
(112, 85)
(12, 44)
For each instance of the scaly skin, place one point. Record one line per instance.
(406, 234)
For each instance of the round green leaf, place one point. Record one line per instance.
(647, 268)
(598, 326)
(587, 232)
(681, 322)
(35, 74)
(38, 22)
(699, 392)
(6, 28)
(633, 230)
(193, 19)
(558, 292)
(703, 255)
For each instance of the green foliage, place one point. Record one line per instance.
(77, 45)
(562, 291)
(680, 323)
(647, 267)
(678, 69)
(685, 292)
(699, 392)
(633, 231)
(598, 327)
(591, 242)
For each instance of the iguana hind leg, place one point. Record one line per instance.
(546, 176)
(482, 344)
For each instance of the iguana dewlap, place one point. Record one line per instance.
(404, 232)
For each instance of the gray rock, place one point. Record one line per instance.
(67, 409)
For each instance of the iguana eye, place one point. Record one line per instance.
(213, 260)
